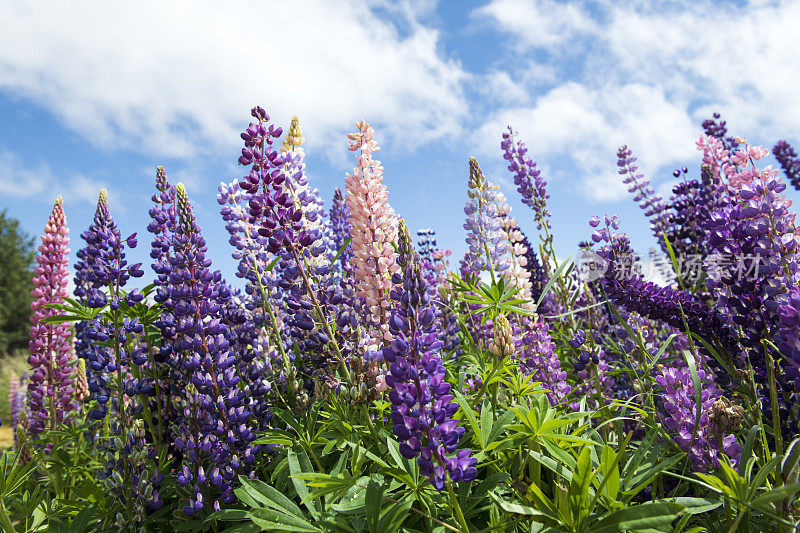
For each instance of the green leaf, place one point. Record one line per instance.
(610, 471)
(790, 460)
(642, 479)
(299, 463)
(372, 505)
(776, 494)
(269, 496)
(693, 505)
(487, 417)
(393, 517)
(341, 250)
(579, 487)
(640, 517)
(552, 280)
(514, 508)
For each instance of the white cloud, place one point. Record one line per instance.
(27, 180)
(540, 23)
(169, 76)
(500, 88)
(587, 125)
(647, 76)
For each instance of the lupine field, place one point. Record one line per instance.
(353, 376)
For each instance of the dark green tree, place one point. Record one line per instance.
(17, 253)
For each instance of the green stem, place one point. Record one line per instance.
(776, 417)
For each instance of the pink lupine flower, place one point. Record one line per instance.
(373, 228)
(50, 389)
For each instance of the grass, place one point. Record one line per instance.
(11, 365)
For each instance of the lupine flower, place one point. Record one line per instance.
(306, 199)
(50, 388)
(719, 130)
(102, 267)
(422, 405)
(625, 288)
(594, 378)
(485, 237)
(215, 433)
(538, 359)
(704, 442)
(758, 231)
(373, 228)
(530, 185)
(788, 159)
(340, 226)
(426, 244)
(17, 391)
(643, 193)
(502, 344)
(691, 205)
(80, 384)
(518, 273)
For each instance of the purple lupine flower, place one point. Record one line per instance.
(215, 433)
(422, 406)
(714, 127)
(17, 391)
(691, 205)
(754, 244)
(538, 358)
(426, 244)
(788, 159)
(530, 184)
(50, 390)
(596, 383)
(102, 268)
(705, 442)
(340, 225)
(626, 288)
(485, 238)
(643, 193)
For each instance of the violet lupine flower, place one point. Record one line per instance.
(215, 434)
(538, 358)
(162, 225)
(625, 288)
(758, 237)
(422, 406)
(596, 383)
(318, 251)
(536, 274)
(719, 130)
(426, 244)
(17, 391)
(340, 226)
(651, 202)
(788, 159)
(485, 237)
(530, 185)
(50, 388)
(101, 267)
(373, 228)
(691, 205)
(703, 443)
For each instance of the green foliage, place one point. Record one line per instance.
(17, 251)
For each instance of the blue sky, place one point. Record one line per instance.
(97, 94)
